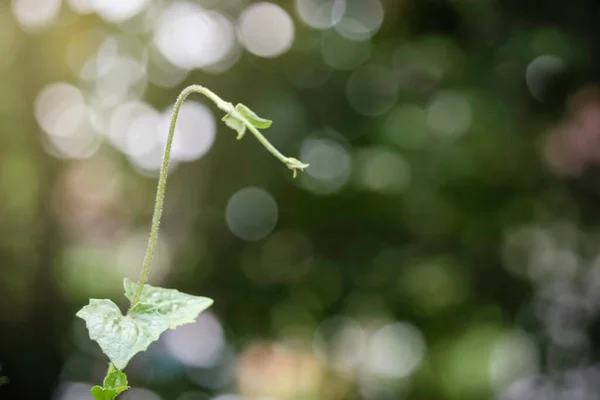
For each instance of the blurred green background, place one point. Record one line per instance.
(443, 243)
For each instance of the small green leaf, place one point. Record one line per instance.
(115, 383)
(237, 118)
(236, 124)
(121, 337)
(251, 116)
(114, 378)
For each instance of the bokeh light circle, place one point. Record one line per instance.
(118, 10)
(340, 342)
(344, 54)
(395, 350)
(362, 19)
(380, 169)
(266, 29)
(61, 112)
(449, 114)
(320, 14)
(199, 344)
(35, 14)
(540, 72)
(189, 36)
(330, 165)
(60, 109)
(372, 90)
(194, 133)
(251, 214)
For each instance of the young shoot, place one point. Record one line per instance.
(153, 310)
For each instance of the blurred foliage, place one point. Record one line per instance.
(443, 244)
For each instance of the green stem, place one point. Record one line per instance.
(292, 163)
(263, 140)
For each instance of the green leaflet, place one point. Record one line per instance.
(255, 120)
(236, 124)
(115, 383)
(235, 120)
(122, 336)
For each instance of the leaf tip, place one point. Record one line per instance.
(251, 117)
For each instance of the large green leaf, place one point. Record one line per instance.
(115, 383)
(122, 336)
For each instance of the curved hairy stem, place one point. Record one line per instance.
(233, 113)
